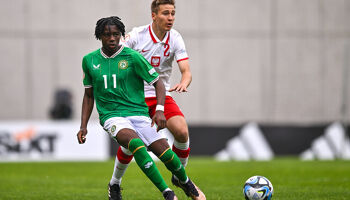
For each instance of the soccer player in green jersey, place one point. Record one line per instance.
(114, 78)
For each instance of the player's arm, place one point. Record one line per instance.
(186, 77)
(159, 117)
(88, 104)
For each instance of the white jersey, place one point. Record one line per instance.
(160, 54)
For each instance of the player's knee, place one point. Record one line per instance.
(181, 135)
(135, 144)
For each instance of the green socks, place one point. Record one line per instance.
(173, 163)
(145, 162)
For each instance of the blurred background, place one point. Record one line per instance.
(282, 65)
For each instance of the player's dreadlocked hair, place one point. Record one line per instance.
(113, 20)
(155, 4)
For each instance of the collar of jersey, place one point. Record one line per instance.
(155, 38)
(114, 55)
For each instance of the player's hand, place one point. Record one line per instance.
(179, 88)
(82, 135)
(159, 119)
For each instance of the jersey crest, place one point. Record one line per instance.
(155, 61)
(123, 64)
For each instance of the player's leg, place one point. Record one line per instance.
(178, 127)
(127, 137)
(160, 147)
(176, 124)
(122, 160)
(162, 150)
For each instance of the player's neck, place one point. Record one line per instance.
(110, 52)
(159, 33)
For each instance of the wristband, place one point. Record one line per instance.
(160, 108)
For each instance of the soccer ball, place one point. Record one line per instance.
(258, 188)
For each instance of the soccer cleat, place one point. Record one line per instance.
(114, 192)
(175, 181)
(190, 189)
(169, 195)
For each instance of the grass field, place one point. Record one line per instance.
(292, 179)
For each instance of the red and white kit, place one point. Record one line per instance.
(159, 53)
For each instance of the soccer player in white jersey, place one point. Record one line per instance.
(161, 45)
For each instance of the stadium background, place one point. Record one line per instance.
(282, 64)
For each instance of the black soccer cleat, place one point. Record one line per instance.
(114, 192)
(169, 195)
(190, 189)
(175, 181)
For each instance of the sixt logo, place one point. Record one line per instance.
(27, 141)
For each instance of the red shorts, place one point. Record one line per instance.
(170, 107)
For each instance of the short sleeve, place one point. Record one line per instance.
(180, 49)
(86, 75)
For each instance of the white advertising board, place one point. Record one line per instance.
(51, 141)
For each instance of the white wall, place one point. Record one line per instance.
(272, 61)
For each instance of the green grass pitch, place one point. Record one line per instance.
(292, 179)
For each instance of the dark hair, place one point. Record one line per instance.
(155, 4)
(113, 20)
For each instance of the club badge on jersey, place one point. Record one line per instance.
(155, 61)
(123, 64)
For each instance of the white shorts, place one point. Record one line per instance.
(140, 124)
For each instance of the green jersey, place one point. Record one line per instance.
(118, 82)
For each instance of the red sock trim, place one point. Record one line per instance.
(122, 157)
(181, 153)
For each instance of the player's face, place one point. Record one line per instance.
(165, 17)
(110, 38)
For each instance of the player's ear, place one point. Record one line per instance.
(153, 16)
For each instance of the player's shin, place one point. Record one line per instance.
(182, 150)
(123, 158)
(145, 162)
(172, 162)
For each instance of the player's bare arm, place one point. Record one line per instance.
(159, 117)
(186, 77)
(88, 104)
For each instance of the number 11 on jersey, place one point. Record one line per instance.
(114, 81)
